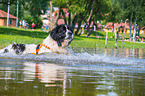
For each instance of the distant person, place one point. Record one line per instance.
(27, 25)
(23, 23)
(33, 25)
(47, 27)
(20, 23)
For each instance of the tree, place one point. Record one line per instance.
(13, 3)
(5, 2)
(115, 14)
(35, 7)
(5, 5)
(73, 7)
(132, 10)
(82, 11)
(99, 11)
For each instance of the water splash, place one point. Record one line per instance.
(76, 58)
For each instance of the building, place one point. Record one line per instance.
(3, 19)
(143, 30)
(109, 27)
(121, 27)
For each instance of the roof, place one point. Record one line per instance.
(60, 21)
(143, 28)
(3, 14)
(110, 25)
(99, 25)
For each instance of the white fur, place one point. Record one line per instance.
(49, 42)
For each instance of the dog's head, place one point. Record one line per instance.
(62, 34)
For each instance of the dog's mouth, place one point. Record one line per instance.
(69, 35)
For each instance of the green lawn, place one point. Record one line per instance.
(10, 35)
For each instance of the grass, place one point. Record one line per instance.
(10, 35)
(92, 41)
(18, 35)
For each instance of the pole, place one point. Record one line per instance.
(134, 32)
(106, 39)
(131, 25)
(124, 34)
(115, 36)
(8, 13)
(50, 15)
(130, 29)
(17, 13)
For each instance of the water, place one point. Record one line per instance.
(86, 72)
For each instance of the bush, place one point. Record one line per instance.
(37, 20)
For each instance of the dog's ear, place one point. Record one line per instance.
(58, 34)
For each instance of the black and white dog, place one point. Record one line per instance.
(57, 41)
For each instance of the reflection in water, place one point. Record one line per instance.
(28, 78)
(125, 52)
(25, 78)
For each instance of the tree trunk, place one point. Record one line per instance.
(131, 24)
(79, 25)
(130, 28)
(74, 21)
(69, 18)
(51, 15)
(17, 13)
(124, 34)
(56, 18)
(89, 7)
(88, 28)
(138, 30)
(115, 36)
(90, 17)
(63, 14)
(113, 31)
(134, 30)
(8, 13)
(95, 25)
(91, 11)
(106, 39)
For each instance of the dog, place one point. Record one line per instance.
(57, 41)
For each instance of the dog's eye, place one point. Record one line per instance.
(63, 31)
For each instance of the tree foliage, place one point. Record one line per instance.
(34, 9)
(84, 11)
(29, 10)
(127, 9)
(80, 11)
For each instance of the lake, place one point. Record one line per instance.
(84, 72)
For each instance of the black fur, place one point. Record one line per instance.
(6, 50)
(59, 33)
(19, 48)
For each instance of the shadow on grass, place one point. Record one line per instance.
(22, 32)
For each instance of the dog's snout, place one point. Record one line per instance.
(70, 32)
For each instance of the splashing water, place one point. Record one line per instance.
(79, 59)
